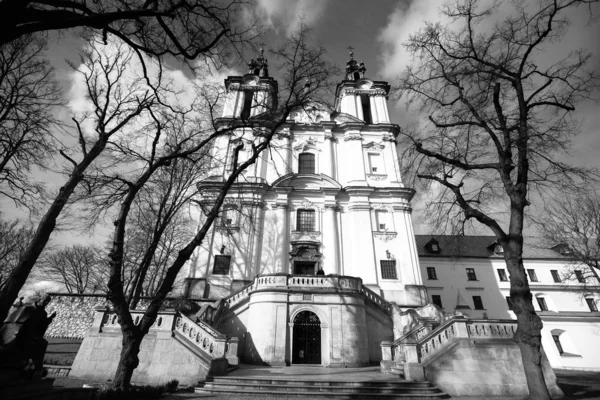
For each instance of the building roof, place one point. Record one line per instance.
(477, 247)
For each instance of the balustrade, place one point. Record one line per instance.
(201, 336)
(163, 321)
(491, 329)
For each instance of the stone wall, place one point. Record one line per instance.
(75, 313)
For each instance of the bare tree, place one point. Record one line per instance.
(570, 223)
(118, 102)
(14, 236)
(301, 64)
(180, 28)
(76, 267)
(497, 120)
(29, 96)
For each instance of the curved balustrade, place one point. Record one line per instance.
(375, 298)
(436, 340)
(208, 341)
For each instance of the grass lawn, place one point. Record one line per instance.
(61, 351)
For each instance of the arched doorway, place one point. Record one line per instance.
(306, 345)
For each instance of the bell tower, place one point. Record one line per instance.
(251, 94)
(362, 97)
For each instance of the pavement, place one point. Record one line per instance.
(577, 385)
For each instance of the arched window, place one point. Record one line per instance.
(563, 343)
(366, 107)
(248, 94)
(306, 163)
(305, 220)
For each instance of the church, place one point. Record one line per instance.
(313, 261)
(325, 219)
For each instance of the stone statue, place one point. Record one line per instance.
(404, 321)
(22, 343)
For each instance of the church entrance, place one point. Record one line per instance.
(307, 339)
(304, 267)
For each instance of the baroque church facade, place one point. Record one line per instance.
(327, 203)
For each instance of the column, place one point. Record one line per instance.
(375, 112)
(330, 240)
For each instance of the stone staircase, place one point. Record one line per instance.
(291, 388)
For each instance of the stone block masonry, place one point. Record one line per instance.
(75, 313)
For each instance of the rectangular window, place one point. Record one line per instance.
(388, 269)
(478, 303)
(579, 276)
(532, 275)
(437, 300)
(555, 275)
(375, 163)
(306, 163)
(502, 275)
(542, 303)
(509, 302)
(221, 266)
(246, 111)
(366, 106)
(305, 220)
(557, 343)
(431, 273)
(591, 304)
(382, 220)
(471, 274)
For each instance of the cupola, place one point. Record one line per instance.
(360, 96)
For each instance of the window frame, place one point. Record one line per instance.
(471, 275)
(542, 303)
(432, 276)
(368, 113)
(579, 276)
(300, 222)
(439, 298)
(221, 271)
(555, 276)
(478, 301)
(502, 275)
(558, 344)
(379, 164)
(591, 304)
(388, 270)
(509, 302)
(302, 163)
(532, 275)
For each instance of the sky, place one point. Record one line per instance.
(376, 30)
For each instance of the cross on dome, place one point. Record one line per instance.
(354, 70)
(259, 66)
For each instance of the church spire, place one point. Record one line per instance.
(354, 70)
(259, 66)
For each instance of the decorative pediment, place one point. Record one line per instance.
(373, 146)
(313, 113)
(306, 144)
(308, 182)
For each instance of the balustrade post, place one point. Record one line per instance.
(232, 348)
(386, 350)
(460, 326)
(413, 370)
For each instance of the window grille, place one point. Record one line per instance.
(306, 163)
(388, 269)
(305, 220)
(221, 265)
(471, 274)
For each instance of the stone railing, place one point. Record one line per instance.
(110, 321)
(336, 283)
(418, 345)
(201, 336)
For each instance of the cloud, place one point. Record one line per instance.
(286, 16)
(406, 19)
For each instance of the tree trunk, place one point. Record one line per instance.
(129, 360)
(529, 324)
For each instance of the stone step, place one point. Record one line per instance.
(262, 381)
(329, 389)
